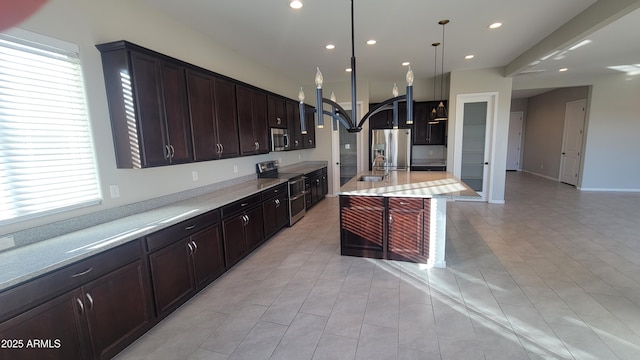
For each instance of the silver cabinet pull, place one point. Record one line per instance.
(390, 219)
(278, 121)
(82, 273)
(247, 219)
(221, 148)
(277, 203)
(189, 249)
(195, 247)
(90, 299)
(257, 144)
(404, 203)
(167, 152)
(190, 227)
(173, 151)
(244, 204)
(80, 306)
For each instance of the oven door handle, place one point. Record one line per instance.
(298, 196)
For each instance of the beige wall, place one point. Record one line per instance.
(544, 129)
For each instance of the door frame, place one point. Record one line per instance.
(361, 145)
(491, 98)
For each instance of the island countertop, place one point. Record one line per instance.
(425, 184)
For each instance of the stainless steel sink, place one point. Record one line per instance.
(373, 178)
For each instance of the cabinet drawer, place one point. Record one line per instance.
(181, 230)
(37, 291)
(274, 191)
(241, 205)
(362, 201)
(405, 203)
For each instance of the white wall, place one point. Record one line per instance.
(484, 81)
(87, 23)
(612, 153)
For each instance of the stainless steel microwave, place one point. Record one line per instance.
(279, 139)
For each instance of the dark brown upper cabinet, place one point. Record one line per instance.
(252, 120)
(425, 133)
(309, 139)
(384, 119)
(147, 99)
(212, 108)
(277, 115)
(293, 119)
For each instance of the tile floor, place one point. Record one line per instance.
(552, 274)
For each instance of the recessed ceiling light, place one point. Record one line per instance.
(347, 69)
(469, 57)
(495, 25)
(406, 63)
(629, 69)
(563, 69)
(330, 47)
(295, 4)
(371, 42)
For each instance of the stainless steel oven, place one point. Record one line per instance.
(297, 203)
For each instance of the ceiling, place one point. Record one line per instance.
(292, 42)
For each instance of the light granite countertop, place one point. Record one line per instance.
(27, 262)
(425, 184)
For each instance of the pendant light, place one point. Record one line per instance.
(432, 115)
(441, 111)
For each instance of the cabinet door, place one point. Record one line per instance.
(380, 120)
(233, 237)
(226, 118)
(172, 276)
(325, 182)
(362, 225)
(252, 121)
(275, 214)
(254, 228)
(59, 322)
(200, 89)
(208, 258)
(438, 133)
(118, 309)
(276, 112)
(420, 123)
(406, 219)
(309, 139)
(149, 114)
(293, 119)
(176, 113)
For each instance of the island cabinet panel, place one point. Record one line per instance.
(362, 223)
(406, 228)
(212, 110)
(146, 94)
(252, 121)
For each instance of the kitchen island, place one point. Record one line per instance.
(398, 215)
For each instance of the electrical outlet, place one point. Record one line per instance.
(115, 191)
(541, 166)
(235, 169)
(7, 242)
(279, 160)
(299, 156)
(194, 175)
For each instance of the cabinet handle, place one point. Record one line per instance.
(90, 299)
(317, 181)
(310, 141)
(244, 204)
(221, 148)
(404, 203)
(277, 203)
(82, 273)
(190, 227)
(257, 144)
(247, 219)
(390, 219)
(173, 151)
(167, 152)
(195, 247)
(297, 142)
(189, 249)
(80, 306)
(278, 121)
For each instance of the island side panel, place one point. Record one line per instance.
(362, 226)
(438, 232)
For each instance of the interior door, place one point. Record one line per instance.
(346, 151)
(515, 141)
(572, 142)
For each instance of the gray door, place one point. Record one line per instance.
(474, 130)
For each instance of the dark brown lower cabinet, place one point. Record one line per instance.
(385, 228)
(184, 267)
(275, 213)
(362, 226)
(243, 231)
(95, 321)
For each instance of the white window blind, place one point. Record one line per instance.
(46, 154)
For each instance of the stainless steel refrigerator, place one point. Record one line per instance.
(390, 149)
